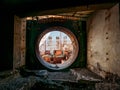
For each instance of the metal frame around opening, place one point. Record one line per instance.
(75, 50)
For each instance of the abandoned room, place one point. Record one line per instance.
(58, 45)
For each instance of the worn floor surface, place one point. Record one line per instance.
(74, 79)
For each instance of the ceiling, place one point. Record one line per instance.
(76, 12)
(81, 15)
(74, 8)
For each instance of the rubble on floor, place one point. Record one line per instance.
(73, 79)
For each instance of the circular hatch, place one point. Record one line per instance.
(57, 48)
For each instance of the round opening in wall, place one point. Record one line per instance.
(57, 48)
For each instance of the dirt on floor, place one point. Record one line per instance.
(73, 79)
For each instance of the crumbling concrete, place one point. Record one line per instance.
(103, 48)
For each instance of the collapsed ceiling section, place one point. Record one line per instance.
(83, 15)
(78, 12)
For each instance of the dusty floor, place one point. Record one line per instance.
(74, 79)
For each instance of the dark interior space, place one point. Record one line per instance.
(30, 8)
(96, 26)
(7, 27)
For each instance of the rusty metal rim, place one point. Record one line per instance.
(75, 50)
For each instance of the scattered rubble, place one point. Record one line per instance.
(74, 79)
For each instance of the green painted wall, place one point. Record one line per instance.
(35, 28)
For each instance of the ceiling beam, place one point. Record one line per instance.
(69, 9)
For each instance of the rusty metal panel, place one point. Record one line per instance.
(16, 51)
(19, 42)
(23, 40)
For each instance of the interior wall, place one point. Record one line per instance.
(103, 47)
(19, 49)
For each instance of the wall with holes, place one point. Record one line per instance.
(103, 47)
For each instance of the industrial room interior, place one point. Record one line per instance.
(80, 51)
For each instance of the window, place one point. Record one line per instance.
(57, 48)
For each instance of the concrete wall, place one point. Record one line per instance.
(103, 47)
